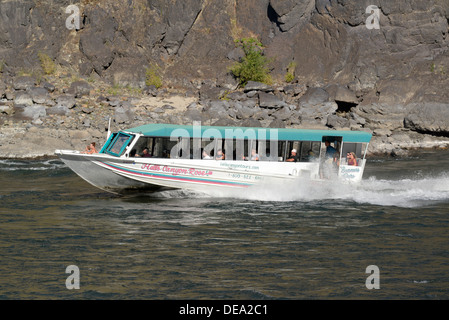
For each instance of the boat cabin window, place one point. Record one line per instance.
(306, 151)
(117, 144)
(141, 144)
(359, 150)
(162, 147)
(331, 146)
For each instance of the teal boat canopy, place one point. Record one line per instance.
(281, 134)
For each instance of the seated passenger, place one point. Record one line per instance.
(254, 156)
(90, 149)
(132, 154)
(146, 153)
(204, 155)
(311, 156)
(294, 156)
(351, 159)
(220, 155)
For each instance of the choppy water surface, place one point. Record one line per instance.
(287, 242)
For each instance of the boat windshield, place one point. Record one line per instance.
(117, 143)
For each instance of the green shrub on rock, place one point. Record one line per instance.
(254, 65)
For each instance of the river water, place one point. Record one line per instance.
(284, 242)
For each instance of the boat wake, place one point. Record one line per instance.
(404, 192)
(401, 193)
(33, 165)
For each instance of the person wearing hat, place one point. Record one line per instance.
(294, 156)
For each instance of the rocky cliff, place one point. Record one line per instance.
(389, 78)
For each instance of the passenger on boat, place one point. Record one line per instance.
(351, 159)
(294, 156)
(254, 156)
(220, 155)
(311, 156)
(146, 153)
(132, 153)
(329, 150)
(205, 156)
(90, 149)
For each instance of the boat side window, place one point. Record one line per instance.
(207, 148)
(282, 150)
(142, 143)
(118, 146)
(108, 143)
(162, 147)
(309, 151)
(357, 148)
(292, 145)
(195, 148)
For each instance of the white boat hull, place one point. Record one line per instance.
(120, 175)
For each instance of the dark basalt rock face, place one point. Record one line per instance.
(393, 78)
(192, 39)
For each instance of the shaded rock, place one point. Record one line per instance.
(429, 118)
(294, 89)
(61, 110)
(10, 95)
(277, 123)
(218, 108)
(313, 97)
(48, 86)
(262, 115)
(267, 100)
(2, 89)
(335, 121)
(236, 95)
(193, 106)
(282, 114)
(257, 86)
(289, 13)
(6, 109)
(114, 102)
(40, 95)
(150, 90)
(95, 41)
(66, 100)
(252, 94)
(251, 122)
(389, 117)
(236, 54)
(225, 122)
(320, 111)
(341, 94)
(357, 119)
(124, 114)
(23, 83)
(211, 92)
(23, 98)
(250, 102)
(382, 132)
(193, 115)
(80, 88)
(243, 111)
(34, 112)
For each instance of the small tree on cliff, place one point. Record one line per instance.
(254, 65)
